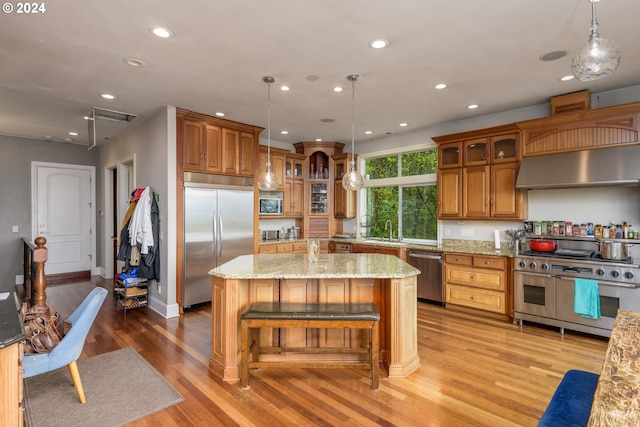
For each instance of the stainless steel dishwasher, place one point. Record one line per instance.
(430, 287)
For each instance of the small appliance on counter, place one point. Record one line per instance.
(270, 234)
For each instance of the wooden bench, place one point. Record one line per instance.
(308, 315)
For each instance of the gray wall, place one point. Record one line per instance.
(15, 193)
(152, 142)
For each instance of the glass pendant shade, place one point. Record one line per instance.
(352, 180)
(598, 57)
(268, 181)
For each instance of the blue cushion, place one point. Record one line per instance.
(571, 403)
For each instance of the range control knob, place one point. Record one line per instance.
(544, 266)
(615, 274)
(600, 272)
(522, 264)
(628, 275)
(532, 265)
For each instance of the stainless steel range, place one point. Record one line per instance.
(545, 282)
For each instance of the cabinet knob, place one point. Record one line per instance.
(487, 262)
(472, 277)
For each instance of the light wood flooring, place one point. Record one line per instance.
(474, 372)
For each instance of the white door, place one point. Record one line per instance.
(63, 212)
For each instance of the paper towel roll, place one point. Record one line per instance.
(496, 238)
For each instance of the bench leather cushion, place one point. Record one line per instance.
(571, 403)
(312, 311)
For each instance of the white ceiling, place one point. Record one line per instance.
(54, 64)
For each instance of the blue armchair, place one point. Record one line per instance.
(68, 350)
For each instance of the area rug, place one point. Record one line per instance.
(120, 387)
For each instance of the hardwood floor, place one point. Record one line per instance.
(474, 372)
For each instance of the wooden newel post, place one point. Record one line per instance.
(40, 254)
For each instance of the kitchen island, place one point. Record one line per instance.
(385, 280)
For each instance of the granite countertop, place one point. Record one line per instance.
(329, 266)
(617, 399)
(475, 247)
(11, 328)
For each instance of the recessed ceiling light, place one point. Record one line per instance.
(68, 139)
(284, 88)
(552, 56)
(327, 120)
(107, 96)
(440, 86)
(312, 78)
(379, 43)
(134, 62)
(337, 89)
(284, 132)
(318, 139)
(87, 118)
(368, 132)
(472, 106)
(404, 124)
(162, 32)
(566, 78)
(73, 133)
(220, 114)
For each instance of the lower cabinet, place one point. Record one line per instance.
(358, 248)
(479, 282)
(11, 413)
(298, 247)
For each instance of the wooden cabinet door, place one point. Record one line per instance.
(277, 167)
(192, 145)
(265, 290)
(475, 190)
(450, 193)
(506, 199)
(344, 201)
(296, 290)
(230, 163)
(247, 154)
(212, 149)
(333, 290)
(297, 198)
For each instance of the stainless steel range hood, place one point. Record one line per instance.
(587, 168)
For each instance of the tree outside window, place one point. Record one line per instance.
(402, 189)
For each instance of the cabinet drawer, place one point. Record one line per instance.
(475, 277)
(458, 259)
(299, 247)
(475, 298)
(267, 249)
(285, 248)
(498, 263)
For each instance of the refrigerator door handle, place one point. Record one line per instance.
(214, 241)
(219, 234)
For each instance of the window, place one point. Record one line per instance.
(401, 196)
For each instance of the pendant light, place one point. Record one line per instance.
(352, 180)
(268, 181)
(598, 57)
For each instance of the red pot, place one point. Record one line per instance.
(542, 245)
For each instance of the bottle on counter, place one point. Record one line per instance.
(583, 230)
(597, 232)
(561, 228)
(555, 228)
(537, 228)
(590, 231)
(568, 228)
(625, 230)
(605, 232)
(618, 231)
(544, 228)
(576, 230)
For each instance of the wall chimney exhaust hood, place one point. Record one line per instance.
(587, 168)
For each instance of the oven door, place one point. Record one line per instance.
(535, 294)
(612, 297)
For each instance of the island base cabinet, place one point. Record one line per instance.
(12, 393)
(396, 300)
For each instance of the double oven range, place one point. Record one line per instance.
(544, 288)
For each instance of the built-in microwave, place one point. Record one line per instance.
(270, 206)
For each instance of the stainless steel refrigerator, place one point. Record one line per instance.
(218, 226)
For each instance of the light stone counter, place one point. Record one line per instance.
(329, 266)
(385, 280)
(616, 402)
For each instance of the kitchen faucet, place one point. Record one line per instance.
(388, 224)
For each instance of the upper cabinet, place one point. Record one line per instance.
(477, 175)
(344, 201)
(212, 145)
(277, 163)
(581, 130)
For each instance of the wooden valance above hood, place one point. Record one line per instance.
(582, 130)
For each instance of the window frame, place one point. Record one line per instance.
(400, 182)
